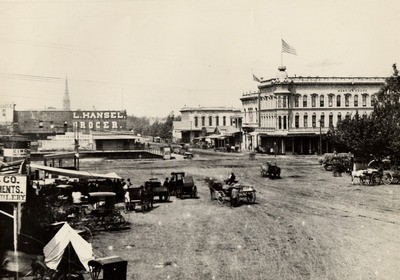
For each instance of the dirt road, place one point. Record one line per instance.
(306, 225)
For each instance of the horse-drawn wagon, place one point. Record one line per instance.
(157, 189)
(182, 185)
(139, 196)
(270, 170)
(235, 193)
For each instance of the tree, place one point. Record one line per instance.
(387, 114)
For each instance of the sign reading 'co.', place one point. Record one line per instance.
(12, 188)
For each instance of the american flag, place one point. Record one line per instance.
(15, 167)
(255, 78)
(288, 49)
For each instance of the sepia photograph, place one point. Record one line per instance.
(188, 140)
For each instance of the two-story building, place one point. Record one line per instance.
(197, 122)
(290, 115)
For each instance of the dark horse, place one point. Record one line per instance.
(271, 171)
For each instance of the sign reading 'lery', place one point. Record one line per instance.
(99, 120)
(12, 188)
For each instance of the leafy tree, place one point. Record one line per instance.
(387, 114)
(140, 125)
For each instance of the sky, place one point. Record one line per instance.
(153, 57)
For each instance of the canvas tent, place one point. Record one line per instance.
(65, 241)
(74, 173)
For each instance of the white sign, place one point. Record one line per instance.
(16, 152)
(12, 188)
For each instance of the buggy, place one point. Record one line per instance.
(104, 215)
(235, 193)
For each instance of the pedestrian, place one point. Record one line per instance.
(336, 166)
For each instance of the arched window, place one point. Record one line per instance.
(330, 100)
(296, 101)
(364, 100)
(296, 120)
(196, 121)
(284, 122)
(304, 101)
(280, 122)
(321, 101)
(338, 101)
(305, 119)
(331, 120)
(313, 100)
(210, 121)
(339, 117)
(356, 100)
(314, 120)
(284, 101)
(347, 100)
(203, 121)
(322, 120)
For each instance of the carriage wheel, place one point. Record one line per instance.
(194, 192)
(387, 178)
(375, 179)
(251, 197)
(234, 198)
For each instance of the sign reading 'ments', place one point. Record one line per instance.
(99, 120)
(12, 188)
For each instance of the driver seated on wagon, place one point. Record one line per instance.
(231, 180)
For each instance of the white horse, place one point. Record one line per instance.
(357, 174)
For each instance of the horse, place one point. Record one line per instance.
(357, 174)
(271, 171)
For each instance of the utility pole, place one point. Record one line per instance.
(77, 147)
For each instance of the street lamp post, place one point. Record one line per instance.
(320, 136)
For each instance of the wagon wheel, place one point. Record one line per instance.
(251, 197)
(364, 180)
(220, 196)
(113, 221)
(387, 178)
(91, 222)
(194, 192)
(234, 198)
(212, 194)
(375, 179)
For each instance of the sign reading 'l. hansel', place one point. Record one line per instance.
(101, 115)
(12, 188)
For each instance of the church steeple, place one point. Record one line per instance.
(66, 102)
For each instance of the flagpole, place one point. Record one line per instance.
(281, 52)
